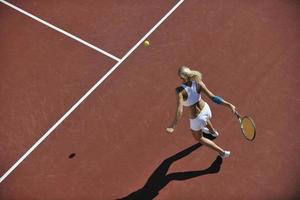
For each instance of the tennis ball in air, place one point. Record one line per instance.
(146, 43)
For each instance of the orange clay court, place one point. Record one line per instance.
(85, 104)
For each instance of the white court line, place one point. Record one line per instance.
(60, 30)
(88, 93)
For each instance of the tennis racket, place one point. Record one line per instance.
(247, 126)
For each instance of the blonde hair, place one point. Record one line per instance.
(189, 75)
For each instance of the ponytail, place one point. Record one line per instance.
(190, 75)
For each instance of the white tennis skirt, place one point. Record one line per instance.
(200, 121)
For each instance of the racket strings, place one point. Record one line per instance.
(248, 128)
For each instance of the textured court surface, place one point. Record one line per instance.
(248, 52)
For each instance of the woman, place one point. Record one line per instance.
(189, 95)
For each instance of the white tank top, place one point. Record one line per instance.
(193, 95)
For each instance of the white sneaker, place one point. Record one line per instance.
(225, 155)
(206, 130)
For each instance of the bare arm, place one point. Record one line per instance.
(212, 97)
(178, 113)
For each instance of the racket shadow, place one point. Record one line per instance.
(160, 179)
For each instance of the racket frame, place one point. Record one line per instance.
(240, 118)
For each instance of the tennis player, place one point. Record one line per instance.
(189, 95)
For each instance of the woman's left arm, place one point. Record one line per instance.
(178, 113)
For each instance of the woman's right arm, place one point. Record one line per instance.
(216, 99)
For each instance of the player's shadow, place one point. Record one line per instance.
(159, 178)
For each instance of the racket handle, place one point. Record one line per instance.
(237, 114)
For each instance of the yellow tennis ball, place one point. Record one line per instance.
(146, 43)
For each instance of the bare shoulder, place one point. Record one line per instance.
(198, 86)
(179, 89)
(202, 84)
(205, 89)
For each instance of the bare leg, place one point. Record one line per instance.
(207, 142)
